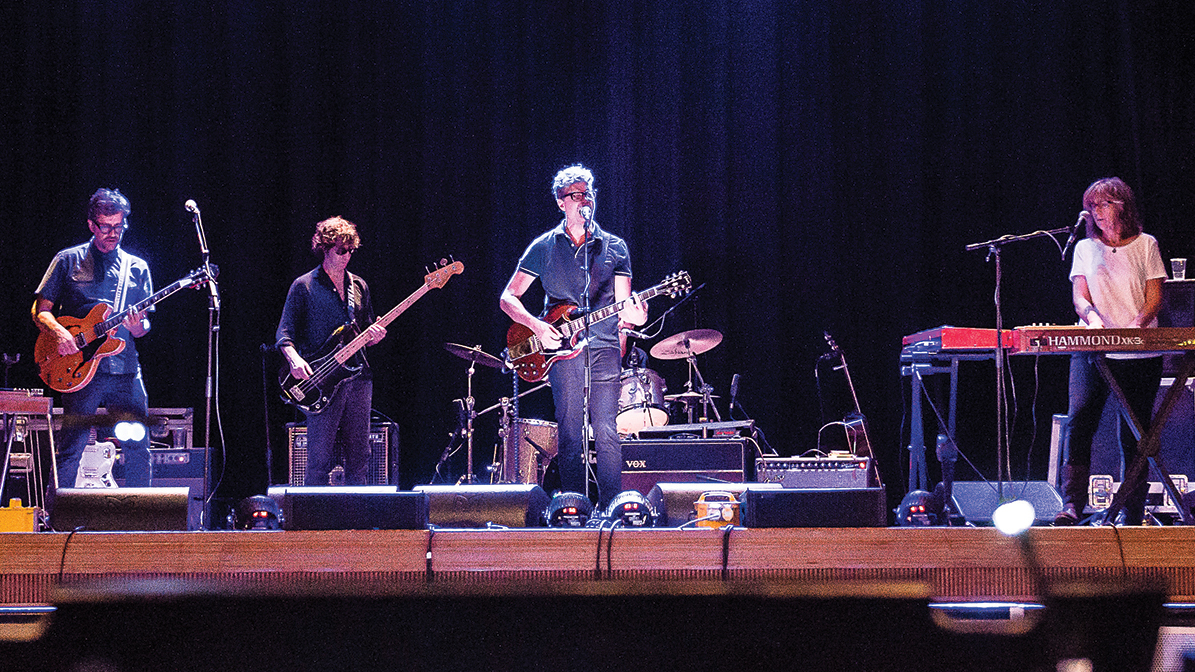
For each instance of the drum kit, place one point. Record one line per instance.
(642, 403)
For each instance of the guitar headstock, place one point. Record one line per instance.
(677, 284)
(199, 277)
(439, 277)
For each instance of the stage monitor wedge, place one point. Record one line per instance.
(124, 510)
(366, 507)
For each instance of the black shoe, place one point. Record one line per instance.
(1067, 516)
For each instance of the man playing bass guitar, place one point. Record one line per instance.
(558, 259)
(79, 279)
(325, 308)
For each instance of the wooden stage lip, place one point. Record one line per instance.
(965, 564)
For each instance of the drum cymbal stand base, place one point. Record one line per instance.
(706, 390)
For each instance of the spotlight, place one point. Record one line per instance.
(919, 508)
(568, 509)
(632, 509)
(1013, 518)
(129, 431)
(257, 513)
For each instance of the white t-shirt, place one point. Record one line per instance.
(1116, 278)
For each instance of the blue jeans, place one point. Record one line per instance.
(1139, 379)
(346, 414)
(568, 392)
(120, 394)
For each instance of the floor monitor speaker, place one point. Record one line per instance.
(507, 505)
(124, 509)
(364, 507)
(976, 500)
(815, 507)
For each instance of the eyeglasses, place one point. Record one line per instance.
(344, 250)
(105, 229)
(579, 196)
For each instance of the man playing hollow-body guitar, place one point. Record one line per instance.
(79, 279)
(558, 258)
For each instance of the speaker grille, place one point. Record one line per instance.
(383, 459)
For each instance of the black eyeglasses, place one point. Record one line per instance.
(579, 196)
(344, 250)
(105, 229)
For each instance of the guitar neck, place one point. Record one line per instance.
(114, 321)
(351, 348)
(575, 327)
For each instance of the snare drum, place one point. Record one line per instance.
(641, 401)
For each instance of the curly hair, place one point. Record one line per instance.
(569, 176)
(1113, 189)
(335, 232)
(106, 202)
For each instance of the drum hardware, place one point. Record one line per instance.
(510, 453)
(687, 345)
(474, 356)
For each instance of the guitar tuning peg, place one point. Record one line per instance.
(443, 262)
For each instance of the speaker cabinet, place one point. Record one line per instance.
(716, 461)
(124, 509)
(383, 458)
(508, 505)
(815, 507)
(674, 503)
(376, 507)
(976, 500)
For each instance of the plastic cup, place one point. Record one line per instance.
(1178, 268)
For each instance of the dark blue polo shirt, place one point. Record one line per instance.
(80, 277)
(560, 267)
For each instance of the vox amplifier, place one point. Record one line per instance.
(645, 463)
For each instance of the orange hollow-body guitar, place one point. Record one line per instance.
(531, 360)
(94, 338)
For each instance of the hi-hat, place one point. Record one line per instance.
(475, 354)
(680, 346)
(688, 397)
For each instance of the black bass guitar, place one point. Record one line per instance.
(334, 363)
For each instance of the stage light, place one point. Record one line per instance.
(1013, 518)
(632, 509)
(568, 509)
(257, 513)
(129, 431)
(919, 508)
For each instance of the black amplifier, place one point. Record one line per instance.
(383, 454)
(645, 463)
(170, 467)
(833, 471)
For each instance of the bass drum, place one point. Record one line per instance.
(641, 401)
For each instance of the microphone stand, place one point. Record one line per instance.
(586, 423)
(994, 247)
(213, 328)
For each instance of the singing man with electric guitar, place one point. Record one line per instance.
(325, 309)
(87, 283)
(558, 258)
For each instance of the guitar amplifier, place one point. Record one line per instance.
(383, 459)
(646, 463)
(833, 471)
(170, 468)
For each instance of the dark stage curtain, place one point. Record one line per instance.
(818, 166)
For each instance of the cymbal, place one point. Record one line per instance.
(680, 346)
(475, 354)
(686, 396)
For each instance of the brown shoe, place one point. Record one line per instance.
(1067, 516)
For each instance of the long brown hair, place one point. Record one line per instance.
(1114, 189)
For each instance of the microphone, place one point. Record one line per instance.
(586, 212)
(1070, 242)
(734, 391)
(635, 334)
(191, 206)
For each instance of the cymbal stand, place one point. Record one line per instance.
(510, 406)
(470, 414)
(706, 390)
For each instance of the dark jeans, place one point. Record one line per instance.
(568, 386)
(120, 394)
(346, 414)
(1139, 379)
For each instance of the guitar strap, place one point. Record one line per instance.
(122, 285)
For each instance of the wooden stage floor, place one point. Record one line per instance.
(957, 564)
